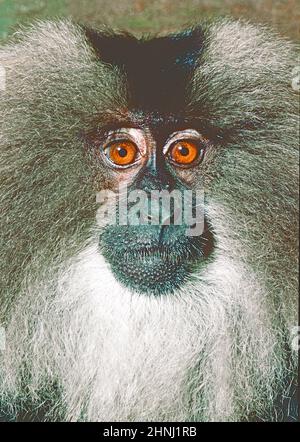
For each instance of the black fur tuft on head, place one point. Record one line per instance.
(158, 70)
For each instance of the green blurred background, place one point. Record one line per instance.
(150, 16)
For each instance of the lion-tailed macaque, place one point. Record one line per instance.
(149, 321)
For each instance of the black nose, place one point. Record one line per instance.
(155, 179)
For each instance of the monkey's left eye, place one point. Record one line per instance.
(186, 152)
(122, 153)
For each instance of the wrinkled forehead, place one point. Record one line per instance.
(158, 71)
(156, 122)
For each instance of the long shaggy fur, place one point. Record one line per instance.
(80, 346)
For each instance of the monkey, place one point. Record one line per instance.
(142, 322)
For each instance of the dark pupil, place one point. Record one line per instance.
(184, 151)
(122, 151)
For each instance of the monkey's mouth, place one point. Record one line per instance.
(151, 261)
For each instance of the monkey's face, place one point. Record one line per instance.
(206, 110)
(159, 232)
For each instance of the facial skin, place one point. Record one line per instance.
(153, 259)
(145, 323)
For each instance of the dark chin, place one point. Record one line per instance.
(155, 267)
(155, 273)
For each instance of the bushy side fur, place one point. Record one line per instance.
(218, 349)
(244, 86)
(55, 89)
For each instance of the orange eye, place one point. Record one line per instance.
(185, 152)
(122, 153)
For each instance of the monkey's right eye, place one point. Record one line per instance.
(122, 153)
